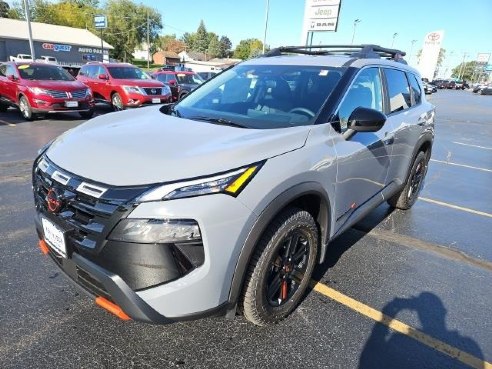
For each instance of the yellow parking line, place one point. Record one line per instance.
(468, 210)
(461, 165)
(401, 327)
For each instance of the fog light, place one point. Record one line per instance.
(156, 231)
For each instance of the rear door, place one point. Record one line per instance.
(407, 113)
(364, 159)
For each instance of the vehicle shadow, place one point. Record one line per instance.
(346, 240)
(387, 349)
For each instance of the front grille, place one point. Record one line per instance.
(79, 94)
(57, 94)
(85, 218)
(153, 91)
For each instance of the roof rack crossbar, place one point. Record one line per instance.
(361, 51)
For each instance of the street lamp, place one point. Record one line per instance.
(266, 24)
(411, 50)
(394, 36)
(355, 25)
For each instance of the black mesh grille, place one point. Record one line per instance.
(86, 219)
(153, 91)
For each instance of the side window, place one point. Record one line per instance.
(416, 91)
(398, 90)
(10, 71)
(364, 92)
(3, 70)
(100, 70)
(92, 71)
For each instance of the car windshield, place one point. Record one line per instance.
(127, 73)
(189, 78)
(44, 73)
(262, 97)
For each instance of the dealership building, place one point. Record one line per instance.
(70, 46)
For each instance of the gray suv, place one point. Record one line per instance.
(227, 200)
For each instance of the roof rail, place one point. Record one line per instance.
(366, 51)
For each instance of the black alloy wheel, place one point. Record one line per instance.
(280, 268)
(405, 198)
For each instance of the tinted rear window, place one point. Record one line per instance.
(398, 90)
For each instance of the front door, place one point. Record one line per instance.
(364, 159)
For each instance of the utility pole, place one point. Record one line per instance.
(394, 36)
(266, 24)
(357, 21)
(462, 69)
(28, 19)
(411, 50)
(148, 41)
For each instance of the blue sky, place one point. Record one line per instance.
(467, 23)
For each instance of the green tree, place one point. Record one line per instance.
(464, 71)
(4, 9)
(225, 46)
(249, 48)
(202, 39)
(127, 27)
(189, 40)
(213, 50)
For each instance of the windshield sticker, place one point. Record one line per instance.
(323, 72)
(24, 66)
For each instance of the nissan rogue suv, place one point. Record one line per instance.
(123, 85)
(227, 200)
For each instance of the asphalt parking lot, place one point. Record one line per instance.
(399, 290)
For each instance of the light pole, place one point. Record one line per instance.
(28, 19)
(266, 24)
(462, 69)
(394, 36)
(411, 50)
(357, 21)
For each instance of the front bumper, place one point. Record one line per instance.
(146, 281)
(58, 106)
(137, 100)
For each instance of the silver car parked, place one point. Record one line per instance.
(229, 198)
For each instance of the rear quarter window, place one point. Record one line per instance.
(398, 90)
(416, 90)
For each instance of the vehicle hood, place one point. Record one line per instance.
(56, 85)
(140, 83)
(144, 146)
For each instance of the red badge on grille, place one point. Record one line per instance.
(53, 201)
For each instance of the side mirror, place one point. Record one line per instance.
(364, 120)
(173, 82)
(11, 77)
(103, 76)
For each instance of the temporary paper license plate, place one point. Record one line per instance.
(156, 101)
(71, 104)
(54, 237)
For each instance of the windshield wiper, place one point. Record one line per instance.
(221, 121)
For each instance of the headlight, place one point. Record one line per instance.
(133, 90)
(38, 91)
(88, 92)
(230, 183)
(166, 90)
(156, 231)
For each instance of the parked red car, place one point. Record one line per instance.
(40, 88)
(123, 85)
(180, 82)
